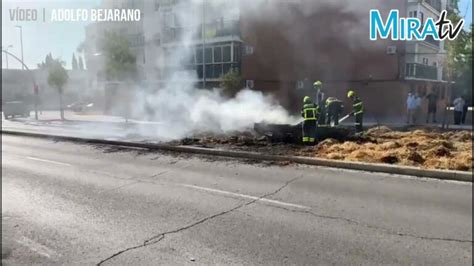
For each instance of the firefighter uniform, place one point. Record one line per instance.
(310, 114)
(357, 110)
(333, 110)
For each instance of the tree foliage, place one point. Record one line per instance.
(57, 78)
(120, 63)
(47, 62)
(459, 57)
(231, 82)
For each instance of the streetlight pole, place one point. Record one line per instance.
(35, 86)
(6, 55)
(21, 42)
(203, 44)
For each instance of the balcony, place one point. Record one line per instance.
(219, 28)
(421, 71)
(429, 39)
(436, 4)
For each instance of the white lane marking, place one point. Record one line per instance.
(48, 161)
(36, 247)
(275, 202)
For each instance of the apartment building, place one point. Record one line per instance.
(294, 43)
(176, 28)
(281, 47)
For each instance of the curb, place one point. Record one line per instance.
(379, 168)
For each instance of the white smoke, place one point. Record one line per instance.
(184, 110)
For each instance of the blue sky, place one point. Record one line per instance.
(62, 38)
(40, 38)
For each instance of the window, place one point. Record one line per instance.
(199, 55)
(217, 54)
(217, 71)
(209, 71)
(236, 53)
(425, 61)
(226, 68)
(422, 17)
(226, 54)
(208, 55)
(412, 14)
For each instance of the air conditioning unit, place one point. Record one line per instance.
(249, 84)
(391, 50)
(248, 50)
(300, 84)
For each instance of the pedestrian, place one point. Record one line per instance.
(417, 108)
(465, 110)
(310, 115)
(411, 106)
(432, 106)
(357, 110)
(458, 109)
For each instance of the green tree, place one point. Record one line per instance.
(120, 63)
(231, 81)
(57, 78)
(47, 62)
(459, 57)
(74, 62)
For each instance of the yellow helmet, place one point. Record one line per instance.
(317, 84)
(307, 99)
(351, 94)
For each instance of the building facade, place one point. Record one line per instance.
(282, 47)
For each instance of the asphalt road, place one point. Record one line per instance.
(65, 203)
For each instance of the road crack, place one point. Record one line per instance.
(157, 238)
(384, 230)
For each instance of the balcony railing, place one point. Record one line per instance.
(429, 39)
(218, 28)
(421, 71)
(436, 4)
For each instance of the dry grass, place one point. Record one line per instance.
(422, 148)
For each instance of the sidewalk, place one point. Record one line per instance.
(80, 117)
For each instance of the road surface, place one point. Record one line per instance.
(66, 203)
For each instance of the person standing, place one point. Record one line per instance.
(320, 98)
(432, 106)
(310, 115)
(458, 109)
(417, 108)
(465, 110)
(357, 110)
(411, 106)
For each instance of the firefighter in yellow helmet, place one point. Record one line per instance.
(333, 109)
(310, 113)
(357, 110)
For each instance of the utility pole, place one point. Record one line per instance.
(203, 26)
(21, 43)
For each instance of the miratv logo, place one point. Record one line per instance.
(407, 29)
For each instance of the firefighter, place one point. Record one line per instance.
(320, 96)
(310, 114)
(333, 110)
(357, 110)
